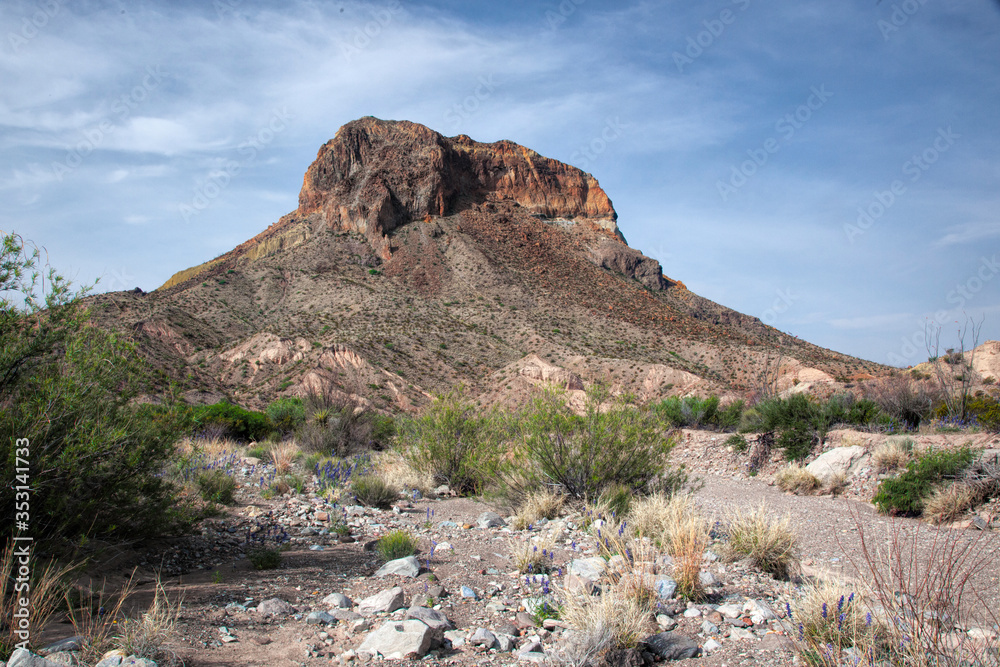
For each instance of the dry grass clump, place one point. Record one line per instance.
(615, 619)
(534, 556)
(948, 503)
(538, 504)
(830, 618)
(146, 635)
(283, 455)
(767, 543)
(893, 454)
(397, 471)
(796, 479)
(689, 540)
(663, 519)
(836, 483)
(374, 491)
(47, 591)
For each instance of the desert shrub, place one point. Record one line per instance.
(728, 417)
(687, 412)
(797, 441)
(286, 413)
(283, 456)
(615, 620)
(893, 454)
(614, 501)
(795, 420)
(986, 411)
(216, 486)
(586, 454)
(337, 425)
(738, 442)
(67, 405)
(796, 479)
(533, 557)
(146, 635)
(264, 558)
(236, 422)
(906, 494)
(768, 544)
(906, 400)
(374, 491)
(454, 441)
(395, 544)
(397, 471)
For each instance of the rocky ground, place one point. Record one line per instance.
(460, 600)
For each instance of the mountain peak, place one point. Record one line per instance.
(376, 175)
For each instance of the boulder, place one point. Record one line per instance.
(482, 637)
(589, 569)
(384, 602)
(398, 639)
(672, 646)
(837, 461)
(490, 520)
(24, 658)
(404, 567)
(432, 618)
(337, 601)
(274, 607)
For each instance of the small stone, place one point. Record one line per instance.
(337, 600)
(398, 639)
(274, 607)
(590, 569)
(432, 618)
(68, 644)
(665, 622)
(468, 593)
(404, 567)
(361, 625)
(729, 610)
(709, 628)
(446, 524)
(504, 644)
(740, 633)
(111, 659)
(710, 646)
(524, 620)
(345, 615)
(708, 579)
(322, 516)
(455, 637)
(693, 612)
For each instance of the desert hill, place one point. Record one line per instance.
(415, 262)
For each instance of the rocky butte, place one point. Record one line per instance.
(416, 261)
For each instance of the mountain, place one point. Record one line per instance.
(416, 261)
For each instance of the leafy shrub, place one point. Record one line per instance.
(453, 441)
(216, 486)
(729, 416)
(906, 494)
(687, 412)
(585, 454)
(797, 441)
(539, 504)
(396, 544)
(907, 401)
(264, 558)
(238, 423)
(986, 410)
(336, 426)
(286, 413)
(738, 442)
(374, 491)
(768, 544)
(67, 393)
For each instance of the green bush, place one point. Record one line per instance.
(586, 454)
(374, 491)
(264, 558)
(728, 417)
(336, 426)
(454, 441)
(216, 486)
(905, 494)
(287, 413)
(986, 409)
(737, 442)
(687, 412)
(238, 423)
(396, 544)
(67, 391)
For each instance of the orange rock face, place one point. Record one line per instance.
(376, 175)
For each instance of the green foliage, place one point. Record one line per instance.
(396, 544)
(585, 454)
(905, 494)
(728, 417)
(737, 442)
(238, 423)
(615, 500)
(337, 427)
(454, 441)
(374, 491)
(545, 611)
(986, 409)
(264, 558)
(287, 413)
(216, 486)
(797, 440)
(67, 393)
(687, 412)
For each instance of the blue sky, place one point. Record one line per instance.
(831, 168)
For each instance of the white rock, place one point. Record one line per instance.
(837, 461)
(384, 602)
(337, 601)
(729, 610)
(404, 567)
(590, 569)
(274, 607)
(398, 639)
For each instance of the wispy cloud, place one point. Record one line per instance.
(967, 233)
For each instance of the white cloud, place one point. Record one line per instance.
(870, 321)
(967, 233)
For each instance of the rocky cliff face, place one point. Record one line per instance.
(377, 175)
